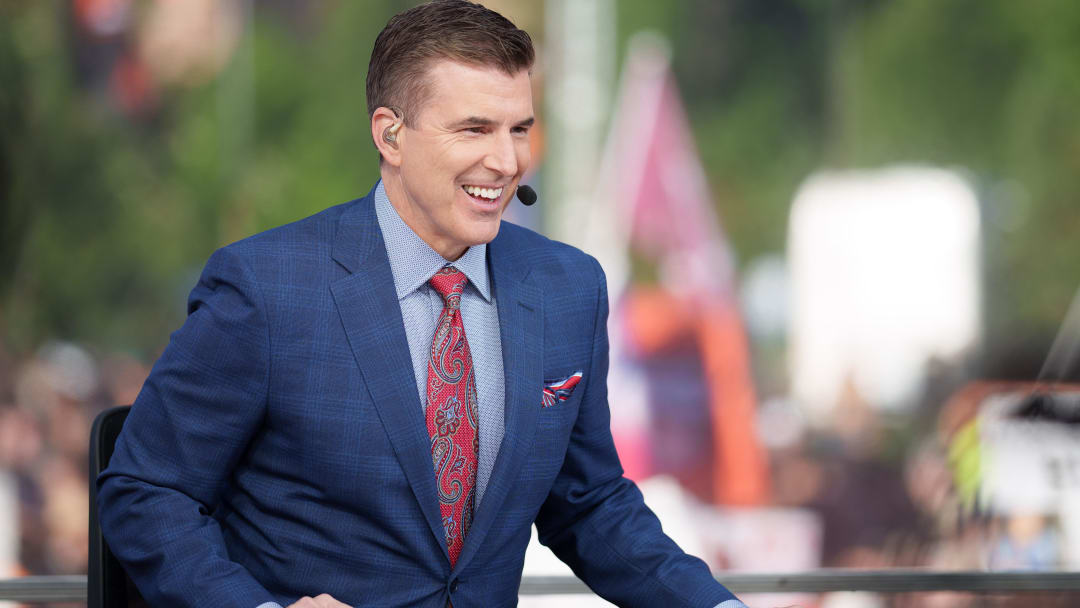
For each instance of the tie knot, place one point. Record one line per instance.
(449, 282)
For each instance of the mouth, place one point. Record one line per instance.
(484, 195)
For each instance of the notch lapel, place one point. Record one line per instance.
(371, 316)
(521, 322)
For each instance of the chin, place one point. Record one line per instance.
(485, 233)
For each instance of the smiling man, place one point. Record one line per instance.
(373, 405)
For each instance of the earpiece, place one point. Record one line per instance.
(390, 134)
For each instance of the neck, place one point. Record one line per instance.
(400, 201)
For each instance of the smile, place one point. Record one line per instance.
(484, 194)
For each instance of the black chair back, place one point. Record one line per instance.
(107, 585)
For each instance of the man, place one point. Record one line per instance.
(373, 405)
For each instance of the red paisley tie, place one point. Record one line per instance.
(451, 413)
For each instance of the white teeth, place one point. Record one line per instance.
(488, 193)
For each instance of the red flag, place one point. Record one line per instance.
(662, 205)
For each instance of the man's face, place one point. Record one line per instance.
(463, 156)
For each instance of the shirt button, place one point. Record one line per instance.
(453, 585)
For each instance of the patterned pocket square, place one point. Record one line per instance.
(556, 391)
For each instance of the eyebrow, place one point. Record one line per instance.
(478, 121)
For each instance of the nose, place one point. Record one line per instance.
(503, 156)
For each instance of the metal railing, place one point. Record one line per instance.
(46, 589)
(879, 581)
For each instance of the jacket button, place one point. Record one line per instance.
(453, 585)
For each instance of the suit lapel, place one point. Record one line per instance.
(521, 322)
(371, 315)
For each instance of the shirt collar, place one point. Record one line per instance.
(413, 262)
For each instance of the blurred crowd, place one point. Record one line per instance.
(902, 492)
(877, 492)
(863, 487)
(47, 404)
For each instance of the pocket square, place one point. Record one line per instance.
(556, 391)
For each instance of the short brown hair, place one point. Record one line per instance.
(443, 29)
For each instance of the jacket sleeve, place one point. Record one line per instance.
(596, 521)
(203, 401)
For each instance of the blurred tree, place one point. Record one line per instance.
(14, 214)
(115, 185)
(109, 208)
(993, 87)
(777, 89)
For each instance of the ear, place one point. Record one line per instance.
(386, 132)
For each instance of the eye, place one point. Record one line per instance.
(520, 130)
(475, 130)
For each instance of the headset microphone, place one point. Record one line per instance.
(526, 194)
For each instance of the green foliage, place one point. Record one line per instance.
(108, 219)
(754, 75)
(105, 220)
(779, 89)
(990, 86)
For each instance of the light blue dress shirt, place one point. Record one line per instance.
(413, 263)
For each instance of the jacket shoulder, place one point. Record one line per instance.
(312, 233)
(548, 257)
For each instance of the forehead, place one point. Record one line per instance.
(458, 89)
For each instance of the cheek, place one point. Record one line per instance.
(457, 161)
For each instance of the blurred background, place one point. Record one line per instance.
(841, 239)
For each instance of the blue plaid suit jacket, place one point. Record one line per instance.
(278, 448)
